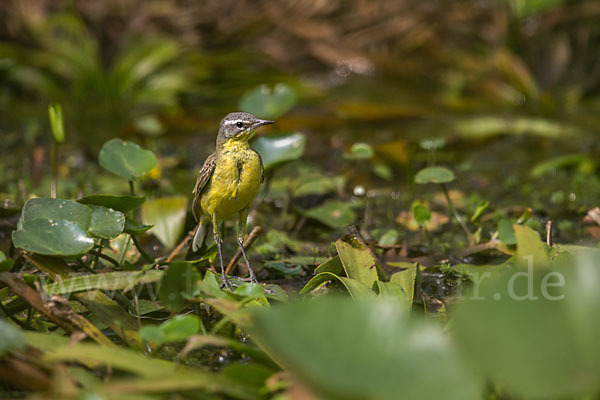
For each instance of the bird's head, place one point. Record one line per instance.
(240, 126)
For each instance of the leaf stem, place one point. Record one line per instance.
(141, 250)
(455, 213)
(98, 253)
(53, 168)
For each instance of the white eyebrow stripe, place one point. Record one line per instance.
(235, 122)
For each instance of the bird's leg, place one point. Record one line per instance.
(226, 283)
(243, 217)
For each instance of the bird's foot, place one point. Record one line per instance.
(227, 284)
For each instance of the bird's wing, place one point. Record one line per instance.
(203, 177)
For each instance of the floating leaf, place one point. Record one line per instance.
(530, 249)
(370, 361)
(56, 238)
(106, 222)
(360, 151)
(506, 232)
(11, 337)
(276, 149)
(168, 217)
(126, 159)
(265, 102)
(434, 175)
(335, 214)
(118, 203)
(54, 210)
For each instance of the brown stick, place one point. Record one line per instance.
(177, 250)
(549, 229)
(256, 232)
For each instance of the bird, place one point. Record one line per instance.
(227, 184)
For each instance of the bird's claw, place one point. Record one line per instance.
(227, 284)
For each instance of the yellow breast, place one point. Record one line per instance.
(234, 182)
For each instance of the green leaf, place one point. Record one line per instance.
(421, 213)
(333, 213)
(168, 217)
(56, 122)
(11, 337)
(109, 281)
(177, 284)
(56, 238)
(126, 159)
(524, 9)
(360, 151)
(54, 210)
(251, 290)
(134, 227)
(333, 265)
(270, 103)
(434, 175)
(380, 350)
(106, 222)
(530, 249)
(383, 171)
(180, 327)
(407, 280)
(356, 289)
(481, 207)
(279, 148)
(118, 203)
(6, 264)
(506, 232)
(357, 260)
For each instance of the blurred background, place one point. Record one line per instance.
(505, 92)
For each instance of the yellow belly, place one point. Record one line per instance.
(233, 184)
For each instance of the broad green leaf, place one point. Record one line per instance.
(57, 238)
(126, 159)
(407, 280)
(134, 227)
(270, 103)
(358, 260)
(434, 175)
(548, 317)
(333, 265)
(380, 350)
(119, 203)
(106, 222)
(530, 248)
(279, 148)
(11, 337)
(506, 233)
(177, 284)
(108, 281)
(360, 151)
(167, 215)
(180, 327)
(154, 334)
(421, 213)
(250, 290)
(55, 210)
(333, 213)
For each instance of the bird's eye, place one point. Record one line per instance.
(239, 124)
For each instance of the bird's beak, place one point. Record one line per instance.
(262, 122)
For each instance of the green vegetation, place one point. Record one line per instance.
(428, 226)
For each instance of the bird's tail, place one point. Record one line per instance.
(200, 235)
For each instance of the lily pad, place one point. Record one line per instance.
(434, 175)
(266, 102)
(335, 214)
(118, 203)
(168, 217)
(360, 151)
(55, 210)
(126, 159)
(52, 238)
(106, 222)
(276, 149)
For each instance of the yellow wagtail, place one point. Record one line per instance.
(227, 184)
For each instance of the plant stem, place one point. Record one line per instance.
(455, 213)
(131, 188)
(98, 253)
(141, 250)
(53, 168)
